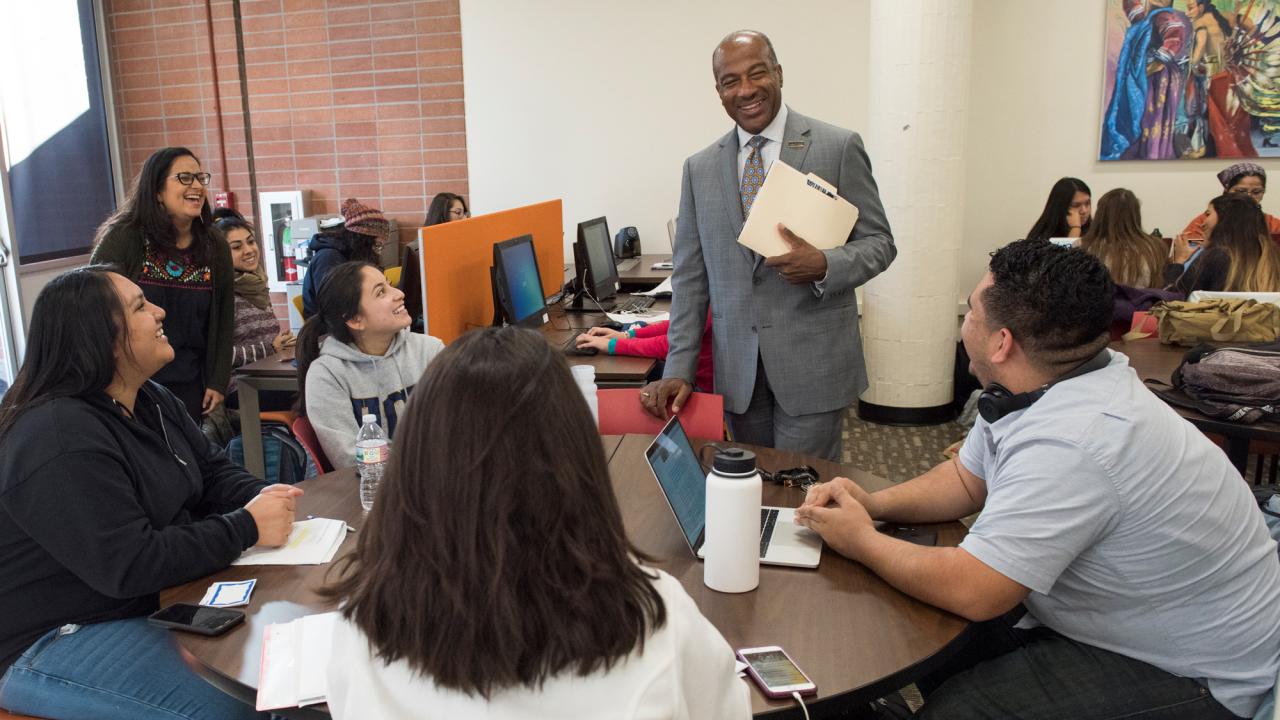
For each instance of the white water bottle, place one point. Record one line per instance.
(585, 377)
(372, 452)
(731, 546)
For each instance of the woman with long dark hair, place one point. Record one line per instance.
(110, 493)
(446, 207)
(1116, 237)
(364, 230)
(356, 356)
(1237, 254)
(1246, 179)
(1066, 212)
(494, 577)
(161, 238)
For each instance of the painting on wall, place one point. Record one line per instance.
(1188, 79)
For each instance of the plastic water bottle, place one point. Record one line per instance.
(585, 377)
(372, 452)
(732, 543)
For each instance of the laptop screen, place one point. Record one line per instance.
(676, 466)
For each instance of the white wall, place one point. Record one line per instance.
(599, 103)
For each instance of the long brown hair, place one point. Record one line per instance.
(337, 301)
(1241, 233)
(141, 211)
(1115, 237)
(495, 555)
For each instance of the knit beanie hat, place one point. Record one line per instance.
(362, 219)
(1229, 176)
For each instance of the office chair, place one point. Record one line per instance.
(306, 435)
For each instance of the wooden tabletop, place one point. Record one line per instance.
(857, 637)
(643, 275)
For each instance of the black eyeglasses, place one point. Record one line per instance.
(803, 477)
(1255, 192)
(186, 178)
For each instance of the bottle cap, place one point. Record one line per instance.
(368, 418)
(734, 461)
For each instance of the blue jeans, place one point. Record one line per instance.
(122, 669)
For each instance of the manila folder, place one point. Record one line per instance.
(806, 204)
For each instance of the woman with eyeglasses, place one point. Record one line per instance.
(494, 579)
(1245, 178)
(162, 239)
(446, 207)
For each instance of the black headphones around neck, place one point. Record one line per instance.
(996, 401)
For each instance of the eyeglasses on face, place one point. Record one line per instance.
(459, 213)
(186, 178)
(1255, 192)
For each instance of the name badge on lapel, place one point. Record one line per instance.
(796, 145)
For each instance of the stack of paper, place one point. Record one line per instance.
(312, 542)
(295, 662)
(664, 288)
(806, 204)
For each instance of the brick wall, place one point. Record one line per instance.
(346, 98)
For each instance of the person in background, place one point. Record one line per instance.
(1237, 254)
(1247, 179)
(446, 207)
(650, 340)
(1115, 236)
(109, 494)
(361, 238)
(258, 332)
(356, 356)
(162, 239)
(1066, 213)
(1120, 540)
(494, 578)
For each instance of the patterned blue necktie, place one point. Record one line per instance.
(752, 174)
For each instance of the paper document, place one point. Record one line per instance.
(312, 542)
(646, 316)
(806, 204)
(294, 670)
(663, 289)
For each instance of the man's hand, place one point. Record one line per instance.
(655, 395)
(212, 399)
(272, 512)
(804, 264)
(821, 495)
(844, 526)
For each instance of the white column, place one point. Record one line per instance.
(918, 105)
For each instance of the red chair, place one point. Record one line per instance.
(307, 436)
(620, 413)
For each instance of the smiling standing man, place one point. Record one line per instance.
(788, 356)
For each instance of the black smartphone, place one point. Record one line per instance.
(912, 534)
(197, 619)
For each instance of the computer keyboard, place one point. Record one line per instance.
(628, 264)
(634, 304)
(571, 347)
(768, 521)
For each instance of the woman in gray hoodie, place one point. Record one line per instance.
(356, 356)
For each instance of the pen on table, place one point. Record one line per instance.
(349, 528)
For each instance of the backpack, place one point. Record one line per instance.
(1235, 384)
(284, 459)
(1238, 320)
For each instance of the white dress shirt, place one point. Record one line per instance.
(770, 150)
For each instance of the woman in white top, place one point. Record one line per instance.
(494, 578)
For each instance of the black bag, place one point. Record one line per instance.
(1238, 384)
(284, 459)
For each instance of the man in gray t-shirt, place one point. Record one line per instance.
(1148, 577)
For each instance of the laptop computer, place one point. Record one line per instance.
(684, 485)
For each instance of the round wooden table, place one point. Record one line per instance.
(856, 637)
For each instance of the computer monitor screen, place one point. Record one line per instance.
(517, 284)
(597, 260)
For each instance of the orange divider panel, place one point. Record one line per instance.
(456, 258)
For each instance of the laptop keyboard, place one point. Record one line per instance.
(635, 304)
(768, 521)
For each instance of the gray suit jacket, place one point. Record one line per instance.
(808, 340)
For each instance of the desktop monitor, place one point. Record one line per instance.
(593, 259)
(517, 286)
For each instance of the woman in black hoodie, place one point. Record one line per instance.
(109, 493)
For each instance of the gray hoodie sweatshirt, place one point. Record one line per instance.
(344, 384)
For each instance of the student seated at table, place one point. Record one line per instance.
(1134, 258)
(257, 331)
(445, 207)
(109, 493)
(1066, 212)
(1148, 578)
(1237, 254)
(363, 232)
(356, 356)
(494, 578)
(1247, 179)
(650, 340)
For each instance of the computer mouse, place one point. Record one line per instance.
(584, 350)
(612, 325)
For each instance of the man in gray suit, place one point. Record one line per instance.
(788, 356)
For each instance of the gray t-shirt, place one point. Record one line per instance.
(1133, 532)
